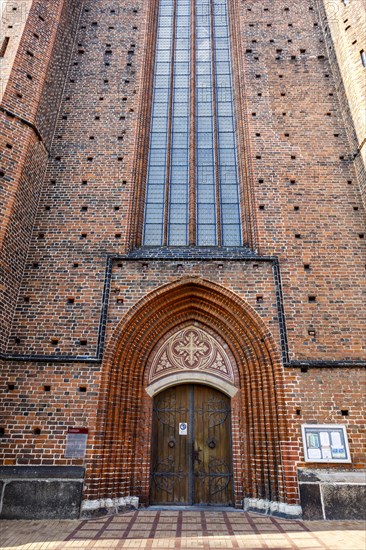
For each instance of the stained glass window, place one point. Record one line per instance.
(214, 180)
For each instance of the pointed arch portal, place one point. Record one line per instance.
(193, 332)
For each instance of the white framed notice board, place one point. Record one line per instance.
(325, 443)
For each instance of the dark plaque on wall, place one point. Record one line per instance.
(76, 441)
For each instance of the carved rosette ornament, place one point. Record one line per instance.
(191, 349)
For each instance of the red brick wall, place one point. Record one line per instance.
(27, 117)
(28, 407)
(307, 210)
(120, 426)
(84, 173)
(304, 170)
(320, 396)
(346, 24)
(329, 214)
(20, 199)
(14, 16)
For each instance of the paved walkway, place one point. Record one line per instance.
(183, 530)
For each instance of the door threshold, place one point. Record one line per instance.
(193, 508)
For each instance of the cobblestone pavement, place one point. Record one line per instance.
(183, 530)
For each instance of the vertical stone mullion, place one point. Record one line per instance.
(192, 134)
(136, 229)
(245, 168)
(215, 130)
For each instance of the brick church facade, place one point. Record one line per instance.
(182, 244)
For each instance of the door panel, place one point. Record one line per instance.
(193, 468)
(170, 471)
(212, 470)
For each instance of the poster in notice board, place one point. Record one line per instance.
(325, 443)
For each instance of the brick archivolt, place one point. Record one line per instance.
(259, 431)
(157, 313)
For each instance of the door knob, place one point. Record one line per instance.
(212, 442)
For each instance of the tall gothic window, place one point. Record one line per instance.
(192, 192)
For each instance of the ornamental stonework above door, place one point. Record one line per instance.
(191, 349)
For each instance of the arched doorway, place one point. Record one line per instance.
(264, 470)
(191, 447)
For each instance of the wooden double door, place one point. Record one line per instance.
(191, 447)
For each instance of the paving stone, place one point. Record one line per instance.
(264, 533)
